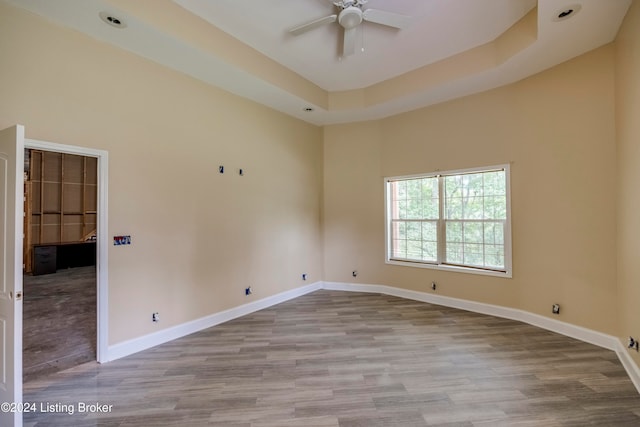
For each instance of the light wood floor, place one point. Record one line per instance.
(352, 359)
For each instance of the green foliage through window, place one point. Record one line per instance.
(457, 219)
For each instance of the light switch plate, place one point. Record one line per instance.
(121, 240)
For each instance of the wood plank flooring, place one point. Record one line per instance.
(59, 321)
(345, 359)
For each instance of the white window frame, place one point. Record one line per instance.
(439, 265)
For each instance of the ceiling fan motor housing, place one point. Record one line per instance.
(350, 17)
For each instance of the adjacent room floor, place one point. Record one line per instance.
(351, 359)
(59, 321)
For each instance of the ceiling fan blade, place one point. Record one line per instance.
(313, 24)
(349, 45)
(389, 19)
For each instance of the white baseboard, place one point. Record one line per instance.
(583, 334)
(135, 345)
(629, 365)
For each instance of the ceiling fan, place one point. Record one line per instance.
(350, 17)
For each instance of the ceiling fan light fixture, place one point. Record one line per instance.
(350, 17)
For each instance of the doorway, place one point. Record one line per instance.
(82, 263)
(59, 259)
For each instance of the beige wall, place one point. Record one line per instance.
(628, 132)
(199, 238)
(557, 129)
(312, 198)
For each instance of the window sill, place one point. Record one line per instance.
(452, 268)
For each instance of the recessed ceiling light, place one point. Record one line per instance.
(567, 12)
(112, 20)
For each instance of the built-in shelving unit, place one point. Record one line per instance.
(60, 200)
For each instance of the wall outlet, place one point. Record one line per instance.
(248, 291)
(155, 317)
(555, 308)
(433, 286)
(354, 273)
(633, 344)
(304, 276)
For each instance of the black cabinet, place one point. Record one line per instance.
(51, 257)
(79, 254)
(44, 259)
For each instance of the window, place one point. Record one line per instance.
(455, 220)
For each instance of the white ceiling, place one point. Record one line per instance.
(439, 30)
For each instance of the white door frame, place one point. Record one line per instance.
(102, 248)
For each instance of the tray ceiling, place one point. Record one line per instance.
(452, 48)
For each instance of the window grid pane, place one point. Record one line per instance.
(475, 243)
(415, 199)
(479, 195)
(414, 240)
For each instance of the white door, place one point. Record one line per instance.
(11, 225)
